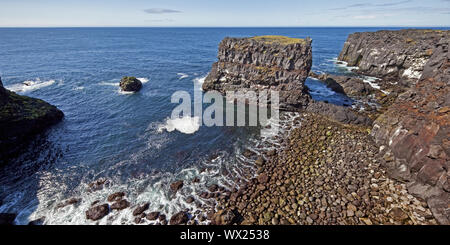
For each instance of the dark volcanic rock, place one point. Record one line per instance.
(348, 85)
(7, 219)
(338, 113)
(116, 196)
(21, 118)
(176, 186)
(263, 63)
(39, 221)
(68, 202)
(140, 209)
(415, 131)
(97, 212)
(120, 205)
(179, 218)
(130, 84)
(395, 54)
(153, 216)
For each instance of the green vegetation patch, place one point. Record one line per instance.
(278, 40)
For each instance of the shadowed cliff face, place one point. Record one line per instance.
(391, 54)
(268, 62)
(416, 133)
(21, 118)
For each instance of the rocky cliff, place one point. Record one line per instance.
(397, 55)
(415, 130)
(265, 62)
(22, 117)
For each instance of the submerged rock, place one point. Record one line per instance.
(130, 84)
(97, 212)
(141, 209)
(21, 118)
(176, 186)
(263, 63)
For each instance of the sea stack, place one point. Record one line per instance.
(22, 117)
(130, 84)
(264, 63)
(415, 132)
(397, 55)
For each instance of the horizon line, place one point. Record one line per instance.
(388, 26)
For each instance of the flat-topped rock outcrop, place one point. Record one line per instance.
(398, 55)
(264, 63)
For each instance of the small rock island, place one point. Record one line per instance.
(130, 84)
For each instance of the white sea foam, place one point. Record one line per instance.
(30, 85)
(109, 84)
(143, 79)
(198, 82)
(79, 88)
(186, 125)
(182, 75)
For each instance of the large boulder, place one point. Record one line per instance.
(179, 218)
(21, 118)
(97, 212)
(391, 54)
(415, 133)
(130, 84)
(264, 63)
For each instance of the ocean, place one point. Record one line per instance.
(128, 139)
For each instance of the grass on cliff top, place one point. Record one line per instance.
(278, 40)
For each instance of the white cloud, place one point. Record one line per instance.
(364, 17)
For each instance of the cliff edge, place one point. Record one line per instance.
(391, 54)
(21, 118)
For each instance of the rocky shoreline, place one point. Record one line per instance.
(385, 162)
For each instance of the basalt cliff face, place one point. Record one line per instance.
(415, 131)
(21, 118)
(264, 63)
(392, 54)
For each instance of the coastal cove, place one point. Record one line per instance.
(122, 148)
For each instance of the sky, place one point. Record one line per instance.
(227, 13)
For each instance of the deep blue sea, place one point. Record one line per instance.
(127, 138)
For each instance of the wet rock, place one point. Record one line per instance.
(190, 199)
(141, 209)
(97, 212)
(39, 221)
(153, 216)
(97, 184)
(68, 202)
(120, 205)
(130, 84)
(116, 197)
(213, 188)
(176, 186)
(179, 218)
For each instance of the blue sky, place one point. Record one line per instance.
(65, 13)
